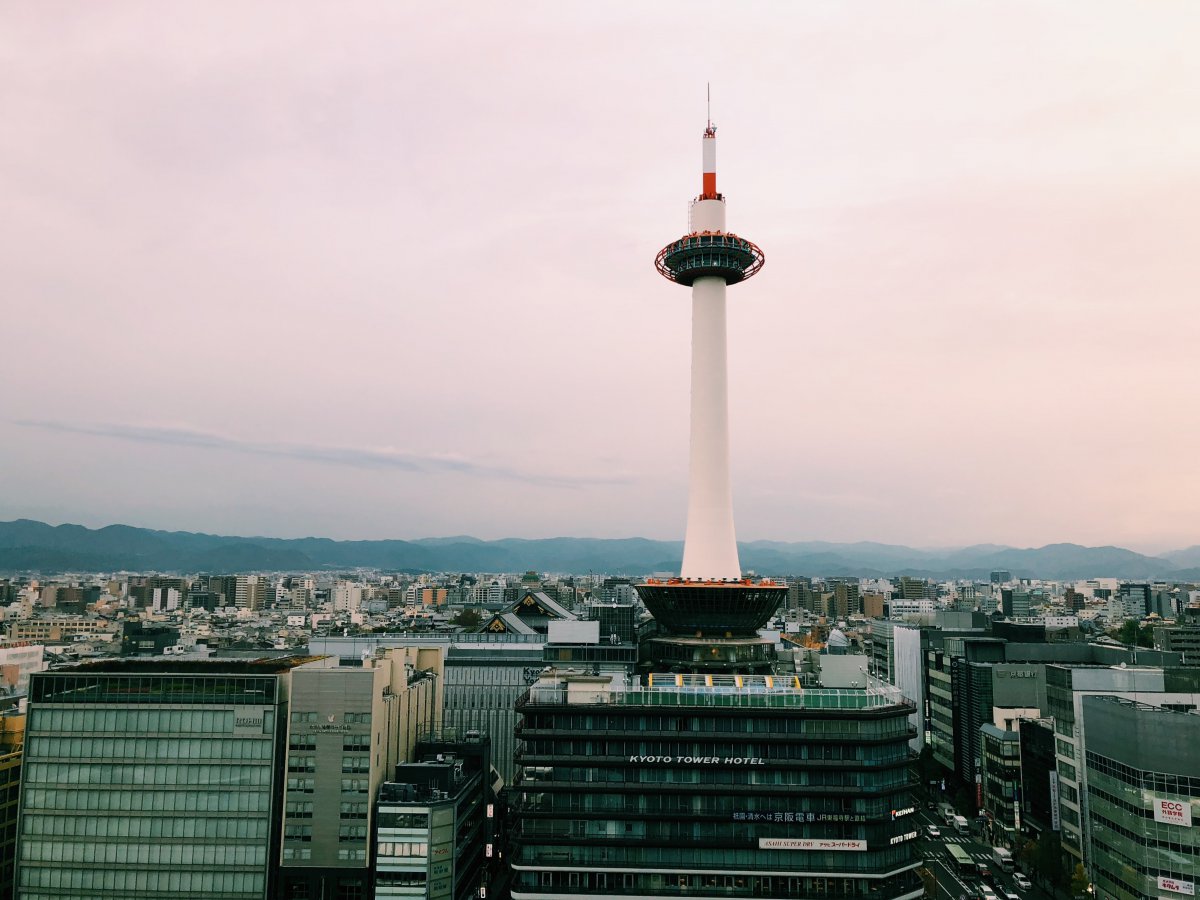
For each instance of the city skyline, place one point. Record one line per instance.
(383, 274)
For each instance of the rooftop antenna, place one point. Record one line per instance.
(708, 90)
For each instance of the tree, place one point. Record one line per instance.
(1135, 634)
(468, 618)
(1079, 881)
(1047, 859)
(1025, 854)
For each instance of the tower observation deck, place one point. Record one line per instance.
(710, 603)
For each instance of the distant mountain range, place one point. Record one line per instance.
(28, 546)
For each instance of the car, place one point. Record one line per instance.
(1009, 895)
(1022, 882)
(987, 893)
(934, 831)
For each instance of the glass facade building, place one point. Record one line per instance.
(1143, 786)
(691, 785)
(152, 779)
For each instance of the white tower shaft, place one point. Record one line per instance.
(710, 547)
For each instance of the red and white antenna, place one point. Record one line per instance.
(709, 153)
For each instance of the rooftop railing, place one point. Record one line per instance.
(716, 697)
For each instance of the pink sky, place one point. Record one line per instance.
(385, 269)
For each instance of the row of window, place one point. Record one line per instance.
(676, 830)
(1161, 782)
(303, 809)
(170, 827)
(114, 882)
(401, 820)
(876, 753)
(175, 801)
(402, 848)
(880, 780)
(135, 721)
(728, 885)
(156, 690)
(820, 808)
(138, 775)
(350, 742)
(113, 748)
(152, 854)
(832, 729)
(348, 718)
(602, 856)
(356, 765)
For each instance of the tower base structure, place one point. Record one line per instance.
(710, 626)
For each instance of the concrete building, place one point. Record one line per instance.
(484, 676)
(1000, 781)
(17, 662)
(1143, 790)
(435, 821)
(349, 726)
(12, 734)
(1039, 776)
(1184, 639)
(897, 656)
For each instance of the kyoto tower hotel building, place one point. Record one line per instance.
(706, 771)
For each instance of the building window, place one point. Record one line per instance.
(301, 785)
(403, 848)
(297, 833)
(302, 764)
(349, 833)
(304, 717)
(302, 742)
(357, 765)
(354, 810)
(300, 809)
(351, 742)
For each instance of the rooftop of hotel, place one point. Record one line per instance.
(558, 688)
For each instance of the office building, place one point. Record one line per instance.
(153, 779)
(484, 675)
(1039, 777)
(12, 734)
(435, 824)
(1143, 790)
(1000, 781)
(1066, 688)
(348, 727)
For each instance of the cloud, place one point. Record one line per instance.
(357, 457)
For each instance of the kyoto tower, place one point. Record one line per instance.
(710, 602)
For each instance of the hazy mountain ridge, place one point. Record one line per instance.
(26, 545)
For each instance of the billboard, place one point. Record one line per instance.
(1175, 886)
(810, 844)
(1172, 812)
(1055, 818)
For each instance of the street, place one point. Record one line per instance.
(952, 886)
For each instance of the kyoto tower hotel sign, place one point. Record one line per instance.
(710, 599)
